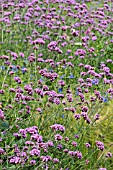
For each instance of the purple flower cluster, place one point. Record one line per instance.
(100, 145)
(48, 75)
(75, 153)
(57, 127)
(1, 114)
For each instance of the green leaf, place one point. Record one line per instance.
(12, 167)
(78, 43)
(4, 125)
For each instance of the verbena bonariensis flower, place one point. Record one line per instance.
(28, 89)
(57, 127)
(77, 116)
(57, 101)
(23, 133)
(80, 52)
(31, 58)
(84, 109)
(61, 83)
(78, 154)
(100, 145)
(108, 155)
(74, 143)
(50, 144)
(2, 151)
(46, 158)
(36, 137)
(87, 145)
(35, 152)
(52, 45)
(96, 117)
(72, 110)
(2, 114)
(38, 41)
(30, 143)
(15, 160)
(35, 128)
(59, 146)
(58, 137)
(33, 162)
(55, 160)
(17, 79)
(39, 110)
(70, 97)
(21, 54)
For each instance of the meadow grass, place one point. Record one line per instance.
(56, 85)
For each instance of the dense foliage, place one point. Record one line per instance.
(56, 85)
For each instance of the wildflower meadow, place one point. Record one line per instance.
(56, 85)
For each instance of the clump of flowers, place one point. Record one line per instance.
(56, 84)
